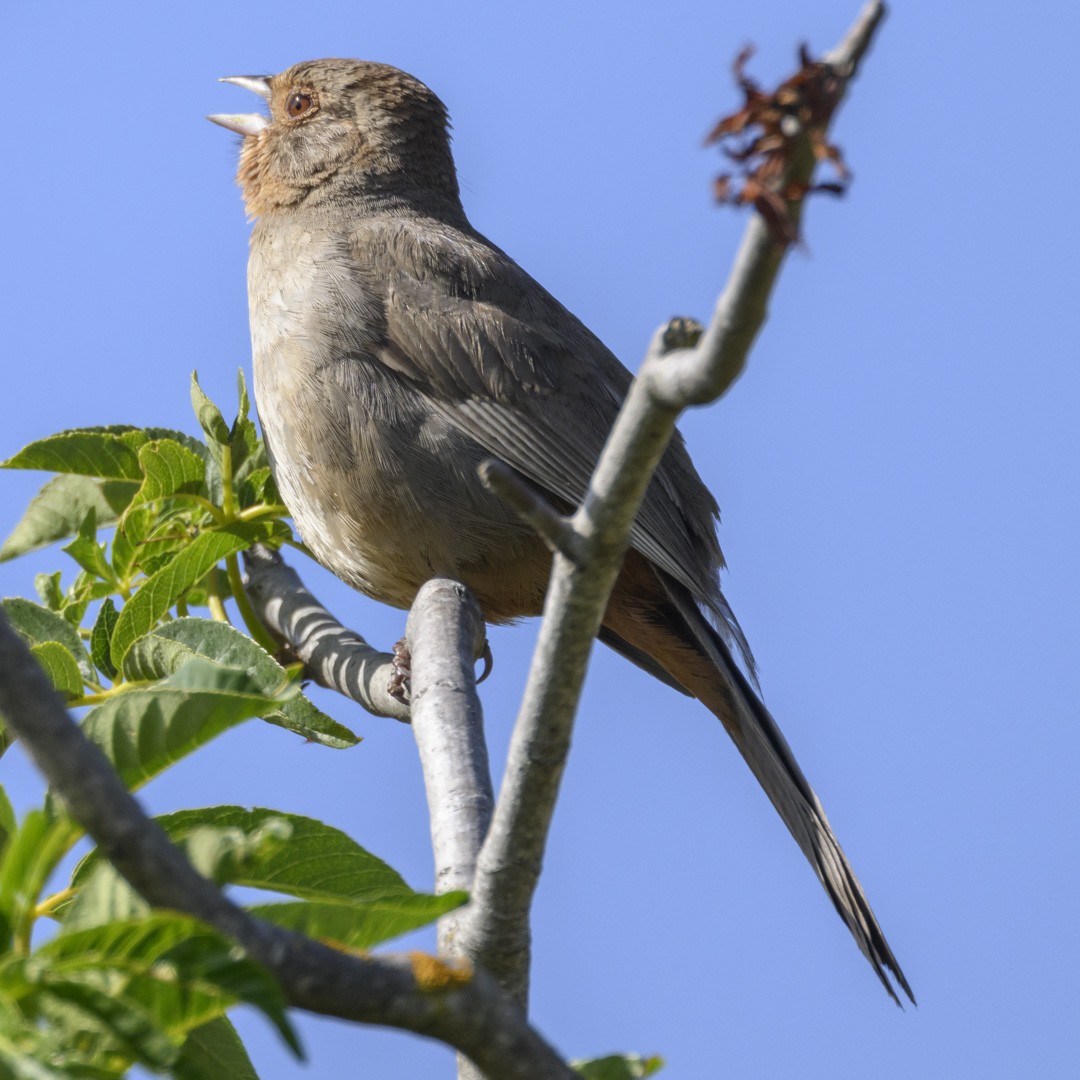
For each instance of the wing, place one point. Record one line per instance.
(509, 366)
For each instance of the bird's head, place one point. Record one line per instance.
(340, 131)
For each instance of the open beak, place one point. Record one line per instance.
(245, 123)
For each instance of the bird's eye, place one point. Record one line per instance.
(299, 105)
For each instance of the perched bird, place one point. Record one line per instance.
(395, 349)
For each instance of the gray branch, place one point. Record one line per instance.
(496, 930)
(333, 656)
(445, 633)
(445, 1000)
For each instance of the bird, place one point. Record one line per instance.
(395, 349)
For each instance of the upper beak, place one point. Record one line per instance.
(245, 123)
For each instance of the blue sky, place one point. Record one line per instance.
(897, 471)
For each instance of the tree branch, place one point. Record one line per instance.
(453, 1003)
(333, 656)
(446, 633)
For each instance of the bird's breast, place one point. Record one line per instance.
(382, 488)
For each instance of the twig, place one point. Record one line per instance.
(532, 508)
(418, 993)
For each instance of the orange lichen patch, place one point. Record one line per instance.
(771, 127)
(433, 974)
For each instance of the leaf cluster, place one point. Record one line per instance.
(138, 636)
(124, 638)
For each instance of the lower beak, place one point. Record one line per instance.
(241, 123)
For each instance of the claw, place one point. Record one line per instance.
(489, 662)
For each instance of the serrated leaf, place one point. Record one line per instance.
(162, 651)
(163, 588)
(102, 895)
(208, 414)
(103, 1023)
(37, 625)
(359, 924)
(18, 1063)
(350, 896)
(319, 862)
(30, 857)
(83, 589)
(169, 468)
(146, 541)
(619, 1067)
(60, 507)
(243, 438)
(83, 451)
(59, 665)
(212, 1052)
(143, 731)
(47, 586)
(101, 638)
(182, 972)
(87, 552)
(258, 487)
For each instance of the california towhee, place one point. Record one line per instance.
(395, 349)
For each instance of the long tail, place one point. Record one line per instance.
(677, 637)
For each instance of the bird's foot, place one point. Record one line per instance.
(398, 685)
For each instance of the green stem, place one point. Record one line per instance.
(228, 507)
(247, 612)
(214, 600)
(260, 510)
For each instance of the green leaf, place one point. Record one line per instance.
(8, 825)
(351, 896)
(212, 1052)
(60, 667)
(163, 588)
(169, 468)
(208, 414)
(359, 925)
(82, 590)
(18, 1061)
(87, 552)
(28, 860)
(85, 452)
(61, 506)
(47, 586)
(257, 488)
(37, 625)
(143, 731)
(162, 651)
(146, 539)
(619, 1067)
(101, 638)
(103, 1023)
(319, 862)
(180, 971)
(243, 438)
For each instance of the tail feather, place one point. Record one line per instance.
(763, 746)
(654, 621)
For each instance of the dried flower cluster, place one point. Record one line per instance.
(774, 126)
